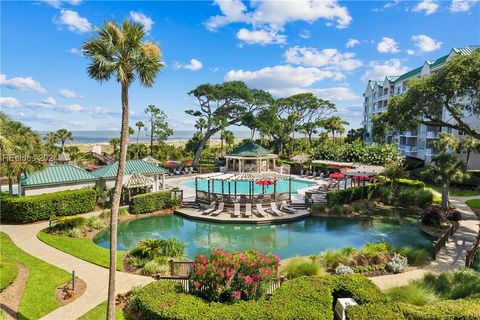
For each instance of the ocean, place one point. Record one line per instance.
(105, 136)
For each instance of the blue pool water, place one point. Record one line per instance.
(242, 186)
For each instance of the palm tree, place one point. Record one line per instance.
(229, 137)
(334, 124)
(121, 52)
(139, 125)
(469, 144)
(115, 143)
(394, 171)
(63, 135)
(50, 140)
(444, 169)
(445, 142)
(201, 124)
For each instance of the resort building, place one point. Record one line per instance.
(416, 142)
(250, 157)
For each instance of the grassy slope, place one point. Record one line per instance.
(43, 280)
(456, 192)
(100, 312)
(81, 248)
(8, 272)
(473, 203)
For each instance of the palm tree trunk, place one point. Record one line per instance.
(63, 146)
(151, 135)
(138, 135)
(116, 203)
(445, 188)
(19, 183)
(333, 135)
(468, 159)
(310, 139)
(10, 185)
(201, 145)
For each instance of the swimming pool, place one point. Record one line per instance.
(242, 186)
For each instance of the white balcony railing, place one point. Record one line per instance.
(409, 133)
(408, 149)
(432, 134)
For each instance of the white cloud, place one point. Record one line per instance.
(22, 84)
(142, 19)
(352, 43)
(330, 59)
(194, 65)
(387, 45)
(9, 102)
(425, 43)
(50, 101)
(262, 37)
(336, 94)
(66, 93)
(73, 21)
(72, 107)
(379, 70)
(305, 34)
(387, 5)
(76, 51)
(461, 5)
(410, 52)
(58, 3)
(282, 78)
(429, 6)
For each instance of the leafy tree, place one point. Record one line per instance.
(121, 52)
(394, 171)
(193, 144)
(335, 124)
(75, 154)
(63, 135)
(444, 169)
(136, 151)
(469, 144)
(201, 124)
(380, 127)
(355, 134)
(158, 125)
(130, 131)
(445, 142)
(223, 105)
(448, 88)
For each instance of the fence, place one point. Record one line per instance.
(442, 241)
(230, 198)
(471, 253)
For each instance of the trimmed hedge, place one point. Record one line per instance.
(151, 202)
(375, 311)
(300, 298)
(43, 206)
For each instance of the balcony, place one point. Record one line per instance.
(432, 134)
(430, 152)
(408, 149)
(409, 133)
(379, 110)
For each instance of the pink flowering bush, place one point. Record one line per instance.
(230, 277)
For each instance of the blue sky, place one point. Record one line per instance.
(330, 48)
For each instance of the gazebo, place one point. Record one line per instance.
(250, 157)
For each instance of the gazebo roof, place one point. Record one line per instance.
(137, 180)
(249, 149)
(58, 174)
(131, 166)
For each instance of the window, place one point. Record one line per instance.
(460, 133)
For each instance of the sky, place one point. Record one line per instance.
(330, 48)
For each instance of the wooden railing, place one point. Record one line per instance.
(442, 241)
(471, 253)
(208, 197)
(180, 268)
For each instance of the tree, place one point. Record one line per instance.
(158, 125)
(469, 144)
(335, 124)
(444, 169)
(228, 137)
(455, 88)
(115, 143)
(121, 52)
(139, 126)
(50, 140)
(63, 135)
(130, 131)
(223, 105)
(201, 124)
(355, 134)
(446, 142)
(394, 171)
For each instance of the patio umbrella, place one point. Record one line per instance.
(172, 163)
(337, 175)
(264, 183)
(334, 167)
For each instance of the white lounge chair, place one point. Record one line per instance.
(313, 175)
(236, 210)
(248, 210)
(221, 205)
(262, 213)
(286, 207)
(210, 208)
(274, 209)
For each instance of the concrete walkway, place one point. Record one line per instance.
(96, 278)
(450, 257)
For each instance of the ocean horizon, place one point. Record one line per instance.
(105, 136)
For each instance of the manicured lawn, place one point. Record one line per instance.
(473, 203)
(82, 248)
(100, 312)
(43, 280)
(456, 192)
(8, 271)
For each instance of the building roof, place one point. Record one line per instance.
(392, 78)
(58, 174)
(437, 62)
(131, 166)
(409, 74)
(466, 50)
(249, 149)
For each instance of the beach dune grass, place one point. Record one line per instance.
(43, 280)
(81, 248)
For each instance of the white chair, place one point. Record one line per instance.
(236, 210)
(210, 209)
(274, 209)
(262, 213)
(286, 207)
(221, 205)
(248, 210)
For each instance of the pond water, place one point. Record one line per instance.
(243, 188)
(301, 238)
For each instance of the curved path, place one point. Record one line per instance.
(96, 278)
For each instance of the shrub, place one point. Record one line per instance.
(41, 207)
(407, 197)
(341, 269)
(298, 267)
(228, 277)
(414, 293)
(94, 223)
(155, 267)
(63, 224)
(375, 311)
(423, 198)
(411, 183)
(463, 309)
(356, 286)
(461, 283)
(415, 257)
(151, 202)
(330, 259)
(108, 212)
(433, 215)
(397, 264)
(154, 248)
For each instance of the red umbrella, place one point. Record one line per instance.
(344, 168)
(265, 182)
(92, 167)
(172, 163)
(337, 175)
(334, 167)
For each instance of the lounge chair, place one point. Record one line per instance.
(301, 173)
(248, 210)
(221, 205)
(236, 210)
(274, 209)
(210, 208)
(286, 207)
(313, 175)
(262, 213)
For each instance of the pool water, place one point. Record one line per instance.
(301, 238)
(243, 188)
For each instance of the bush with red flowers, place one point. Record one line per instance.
(230, 277)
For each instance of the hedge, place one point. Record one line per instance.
(300, 298)
(43, 206)
(375, 311)
(151, 202)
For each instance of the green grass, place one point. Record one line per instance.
(415, 293)
(473, 203)
(43, 279)
(8, 272)
(456, 192)
(81, 248)
(100, 312)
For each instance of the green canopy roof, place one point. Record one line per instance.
(58, 174)
(249, 149)
(132, 166)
